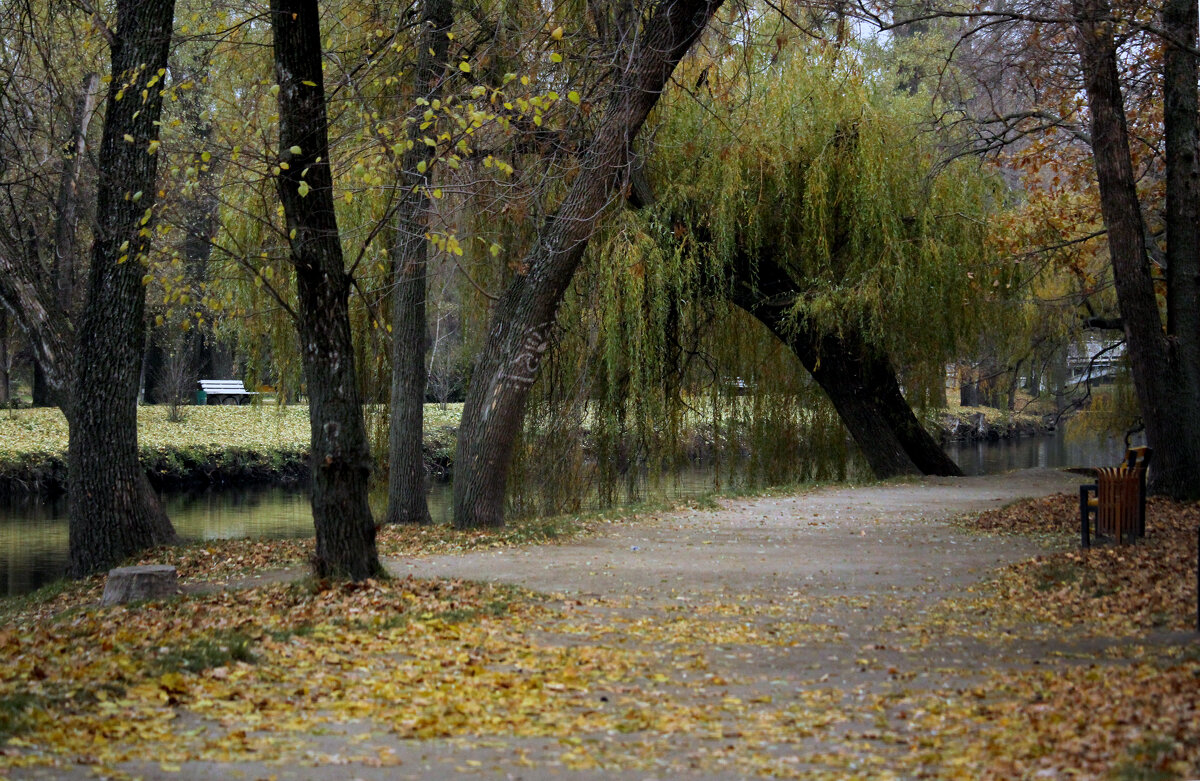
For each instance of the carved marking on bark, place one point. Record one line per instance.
(523, 368)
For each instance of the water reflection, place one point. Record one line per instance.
(1057, 450)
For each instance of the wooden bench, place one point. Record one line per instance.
(223, 392)
(1117, 500)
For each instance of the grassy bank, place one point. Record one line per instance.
(211, 445)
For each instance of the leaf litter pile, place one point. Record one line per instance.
(1072, 665)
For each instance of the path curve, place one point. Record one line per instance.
(830, 539)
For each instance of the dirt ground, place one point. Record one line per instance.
(780, 618)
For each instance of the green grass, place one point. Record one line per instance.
(220, 650)
(15, 713)
(43, 430)
(1148, 760)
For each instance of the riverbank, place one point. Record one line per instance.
(221, 445)
(989, 424)
(210, 446)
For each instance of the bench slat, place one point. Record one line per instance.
(224, 387)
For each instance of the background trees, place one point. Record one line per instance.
(796, 205)
(1117, 81)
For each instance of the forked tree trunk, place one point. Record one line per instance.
(113, 511)
(858, 379)
(340, 459)
(1164, 367)
(406, 429)
(522, 323)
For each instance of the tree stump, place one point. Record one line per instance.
(131, 584)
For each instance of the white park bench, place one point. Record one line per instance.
(224, 392)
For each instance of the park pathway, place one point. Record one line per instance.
(777, 621)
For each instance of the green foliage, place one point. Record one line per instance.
(1111, 409)
(814, 158)
(817, 159)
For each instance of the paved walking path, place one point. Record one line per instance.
(774, 616)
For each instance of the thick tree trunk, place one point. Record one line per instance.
(1183, 178)
(406, 429)
(1163, 376)
(113, 511)
(522, 323)
(859, 380)
(340, 459)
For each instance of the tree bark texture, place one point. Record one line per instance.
(1163, 379)
(340, 459)
(113, 511)
(858, 379)
(1183, 177)
(406, 429)
(522, 323)
(5, 363)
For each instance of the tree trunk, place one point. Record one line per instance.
(113, 511)
(340, 459)
(1014, 384)
(4, 360)
(406, 429)
(1163, 376)
(199, 210)
(1183, 178)
(66, 220)
(858, 379)
(523, 320)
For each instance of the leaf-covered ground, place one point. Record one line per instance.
(839, 634)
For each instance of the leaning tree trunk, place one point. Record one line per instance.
(406, 425)
(1162, 377)
(858, 379)
(523, 320)
(113, 511)
(340, 458)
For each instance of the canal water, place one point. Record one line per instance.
(33, 532)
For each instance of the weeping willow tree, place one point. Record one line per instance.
(797, 215)
(826, 212)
